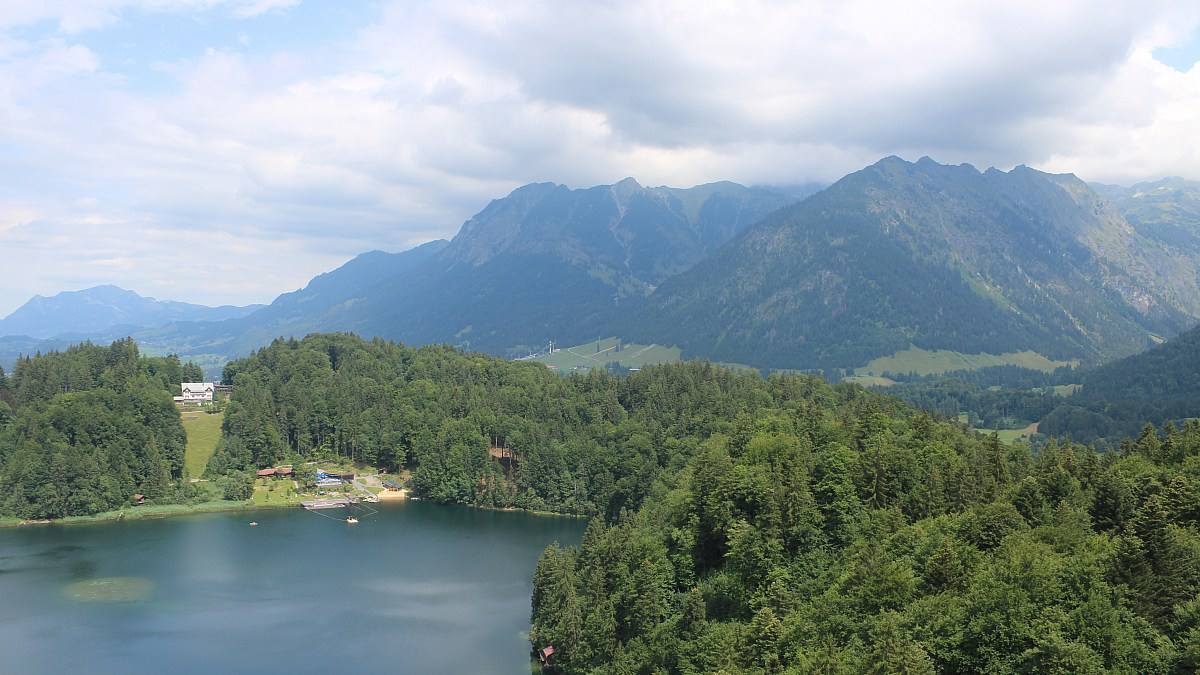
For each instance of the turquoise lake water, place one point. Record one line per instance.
(417, 588)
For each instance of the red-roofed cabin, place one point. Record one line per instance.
(546, 656)
(139, 498)
(266, 473)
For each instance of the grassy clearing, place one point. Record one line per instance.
(1010, 436)
(271, 492)
(203, 432)
(870, 380)
(597, 354)
(156, 511)
(924, 362)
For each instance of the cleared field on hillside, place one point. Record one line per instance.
(1006, 436)
(601, 352)
(203, 432)
(869, 380)
(1010, 436)
(924, 362)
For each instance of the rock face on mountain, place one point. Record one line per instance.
(1118, 398)
(546, 262)
(929, 255)
(897, 254)
(1166, 212)
(103, 310)
(549, 262)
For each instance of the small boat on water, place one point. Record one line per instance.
(253, 524)
(352, 520)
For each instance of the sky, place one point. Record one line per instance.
(227, 151)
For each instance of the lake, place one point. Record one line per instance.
(417, 588)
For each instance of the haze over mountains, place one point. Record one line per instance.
(106, 310)
(894, 255)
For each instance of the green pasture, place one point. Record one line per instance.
(273, 492)
(925, 362)
(870, 380)
(598, 353)
(1010, 436)
(203, 432)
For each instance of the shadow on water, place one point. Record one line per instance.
(56, 560)
(82, 569)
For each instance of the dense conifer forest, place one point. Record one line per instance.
(738, 524)
(477, 429)
(83, 430)
(830, 531)
(1156, 386)
(749, 524)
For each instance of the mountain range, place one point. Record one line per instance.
(940, 257)
(105, 310)
(898, 254)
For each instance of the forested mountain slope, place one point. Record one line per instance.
(548, 262)
(825, 540)
(82, 430)
(751, 525)
(741, 524)
(324, 304)
(1166, 210)
(582, 444)
(1118, 399)
(928, 255)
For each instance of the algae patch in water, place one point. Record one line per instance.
(110, 589)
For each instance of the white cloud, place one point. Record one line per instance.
(278, 163)
(75, 16)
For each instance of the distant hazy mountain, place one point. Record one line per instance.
(103, 310)
(1166, 210)
(13, 347)
(325, 304)
(935, 256)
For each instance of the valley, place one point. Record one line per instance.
(849, 338)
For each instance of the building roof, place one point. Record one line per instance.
(266, 472)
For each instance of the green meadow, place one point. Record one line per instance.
(925, 362)
(203, 432)
(599, 353)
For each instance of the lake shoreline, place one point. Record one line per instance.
(150, 512)
(155, 512)
(211, 594)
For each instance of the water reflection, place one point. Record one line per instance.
(418, 588)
